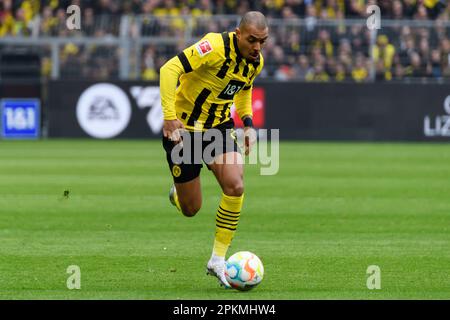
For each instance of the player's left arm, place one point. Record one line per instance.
(243, 103)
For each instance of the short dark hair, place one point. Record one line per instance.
(254, 18)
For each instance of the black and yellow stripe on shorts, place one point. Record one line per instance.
(227, 219)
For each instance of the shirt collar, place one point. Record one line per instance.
(236, 48)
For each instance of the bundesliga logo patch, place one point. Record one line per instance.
(204, 48)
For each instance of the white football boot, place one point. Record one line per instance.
(216, 267)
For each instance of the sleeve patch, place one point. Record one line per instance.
(204, 48)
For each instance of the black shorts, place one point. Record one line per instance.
(184, 171)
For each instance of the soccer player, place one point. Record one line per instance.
(212, 74)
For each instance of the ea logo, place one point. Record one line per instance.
(103, 111)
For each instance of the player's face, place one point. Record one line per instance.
(251, 40)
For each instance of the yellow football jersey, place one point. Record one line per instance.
(214, 75)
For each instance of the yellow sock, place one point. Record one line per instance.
(227, 219)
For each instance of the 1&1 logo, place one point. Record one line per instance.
(20, 118)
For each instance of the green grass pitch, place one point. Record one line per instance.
(332, 210)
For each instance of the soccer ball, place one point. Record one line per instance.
(244, 270)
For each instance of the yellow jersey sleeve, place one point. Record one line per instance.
(170, 72)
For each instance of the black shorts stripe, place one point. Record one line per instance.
(211, 116)
(223, 114)
(232, 212)
(185, 62)
(226, 219)
(232, 229)
(198, 106)
(228, 215)
(226, 65)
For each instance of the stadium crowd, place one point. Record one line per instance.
(300, 48)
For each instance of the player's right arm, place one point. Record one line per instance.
(170, 72)
(186, 61)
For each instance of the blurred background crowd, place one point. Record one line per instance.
(310, 40)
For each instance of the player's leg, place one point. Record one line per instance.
(185, 194)
(229, 173)
(188, 196)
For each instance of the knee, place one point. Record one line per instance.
(235, 189)
(190, 210)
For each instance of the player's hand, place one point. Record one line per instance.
(172, 130)
(249, 139)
